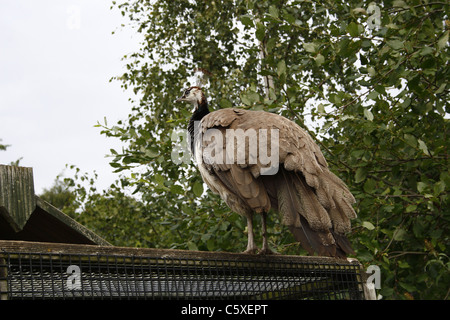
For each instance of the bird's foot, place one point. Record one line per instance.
(266, 251)
(251, 251)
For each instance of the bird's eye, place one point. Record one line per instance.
(187, 92)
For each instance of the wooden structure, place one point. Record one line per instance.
(44, 254)
(25, 216)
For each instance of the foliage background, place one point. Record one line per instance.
(376, 101)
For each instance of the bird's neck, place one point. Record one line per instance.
(201, 110)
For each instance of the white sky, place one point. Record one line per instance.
(56, 59)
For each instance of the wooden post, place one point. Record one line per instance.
(17, 199)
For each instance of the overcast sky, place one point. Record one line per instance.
(56, 60)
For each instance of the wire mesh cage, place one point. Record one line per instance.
(168, 274)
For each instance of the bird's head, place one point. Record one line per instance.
(194, 96)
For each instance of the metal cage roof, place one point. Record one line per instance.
(61, 271)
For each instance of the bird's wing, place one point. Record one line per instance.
(302, 156)
(235, 183)
(314, 203)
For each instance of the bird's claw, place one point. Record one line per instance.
(266, 251)
(251, 251)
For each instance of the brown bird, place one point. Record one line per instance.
(274, 165)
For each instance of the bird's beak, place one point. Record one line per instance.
(180, 99)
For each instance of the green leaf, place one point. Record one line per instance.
(380, 89)
(192, 246)
(319, 59)
(176, 189)
(115, 164)
(151, 152)
(400, 4)
(386, 291)
(289, 17)
(360, 174)
(321, 108)
(395, 44)
(365, 256)
(438, 188)
(359, 11)
(373, 95)
(442, 42)
(281, 67)
(423, 147)
(128, 160)
(368, 225)
(352, 29)
(260, 31)
(426, 50)
(310, 47)
(225, 103)
(408, 287)
(418, 229)
(441, 88)
(271, 43)
(369, 185)
(368, 114)
(158, 179)
(210, 245)
(246, 20)
(410, 139)
(187, 209)
(400, 234)
(253, 96)
(436, 234)
(197, 189)
(371, 72)
(273, 11)
(245, 100)
(421, 186)
(411, 208)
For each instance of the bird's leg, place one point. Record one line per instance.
(265, 247)
(251, 245)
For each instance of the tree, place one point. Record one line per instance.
(367, 79)
(61, 197)
(3, 147)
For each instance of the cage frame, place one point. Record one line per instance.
(148, 273)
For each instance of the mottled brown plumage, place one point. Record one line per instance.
(313, 202)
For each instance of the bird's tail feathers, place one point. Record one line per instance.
(307, 218)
